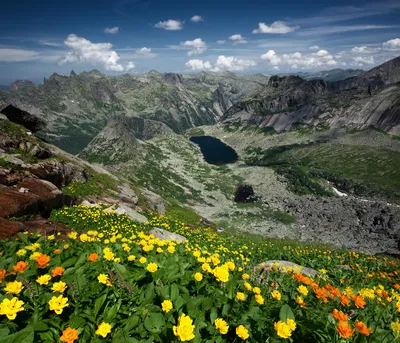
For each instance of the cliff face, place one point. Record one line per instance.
(369, 100)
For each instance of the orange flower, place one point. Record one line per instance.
(21, 266)
(58, 251)
(69, 335)
(321, 293)
(344, 300)
(2, 274)
(396, 286)
(340, 316)
(344, 330)
(93, 257)
(359, 301)
(362, 328)
(43, 260)
(57, 271)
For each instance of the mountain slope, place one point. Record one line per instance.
(371, 99)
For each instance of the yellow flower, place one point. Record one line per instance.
(152, 267)
(108, 254)
(185, 328)
(284, 329)
(43, 279)
(241, 296)
(206, 267)
(103, 329)
(302, 289)
(247, 286)
(242, 332)
(256, 290)
(131, 258)
(10, 308)
(171, 249)
(231, 265)
(14, 287)
(276, 294)
(245, 276)
(21, 252)
(143, 260)
(301, 302)
(221, 274)
(34, 256)
(167, 305)
(59, 287)
(198, 276)
(395, 328)
(73, 235)
(57, 304)
(221, 325)
(259, 299)
(323, 271)
(103, 278)
(159, 250)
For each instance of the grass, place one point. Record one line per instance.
(185, 214)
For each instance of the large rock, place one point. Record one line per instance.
(281, 265)
(10, 228)
(155, 201)
(126, 194)
(41, 197)
(125, 209)
(166, 235)
(18, 116)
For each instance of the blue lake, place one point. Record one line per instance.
(215, 151)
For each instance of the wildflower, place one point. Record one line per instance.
(159, 250)
(152, 267)
(221, 274)
(103, 278)
(57, 251)
(131, 258)
(206, 267)
(43, 279)
(108, 254)
(73, 235)
(300, 302)
(93, 257)
(69, 335)
(34, 256)
(21, 252)
(43, 261)
(285, 329)
(57, 304)
(245, 276)
(321, 293)
(167, 305)
(10, 308)
(3, 273)
(241, 296)
(59, 287)
(14, 287)
(302, 290)
(171, 249)
(395, 328)
(57, 271)
(21, 266)
(221, 325)
(362, 328)
(185, 328)
(359, 301)
(143, 260)
(198, 276)
(256, 290)
(242, 332)
(259, 299)
(230, 265)
(344, 300)
(323, 271)
(276, 294)
(103, 329)
(340, 316)
(344, 330)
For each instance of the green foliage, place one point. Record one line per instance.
(184, 214)
(98, 184)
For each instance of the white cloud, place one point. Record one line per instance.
(130, 66)
(196, 19)
(392, 45)
(364, 50)
(314, 47)
(232, 63)
(144, 51)
(197, 46)
(113, 30)
(363, 60)
(272, 58)
(198, 65)
(170, 25)
(48, 43)
(223, 63)
(326, 30)
(277, 27)
(221, 41)
(237, 39)
(83, 50)
(322, 58)
(18, 55)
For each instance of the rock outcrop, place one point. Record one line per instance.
(18, 116)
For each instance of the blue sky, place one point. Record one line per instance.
(254, 36)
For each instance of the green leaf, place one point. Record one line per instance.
(213, 314)
(24, 336)
(149, 293)
(99, 304)
(286, 313)
(154, 322)
(112, 312)
(131, 322)
(174, 291)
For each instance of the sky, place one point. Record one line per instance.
(38, 38)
